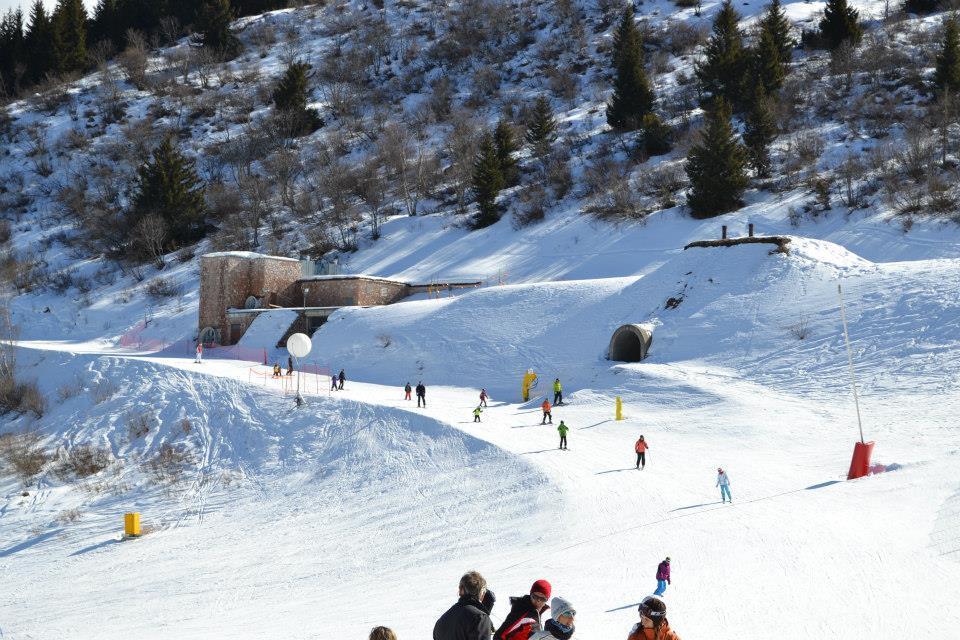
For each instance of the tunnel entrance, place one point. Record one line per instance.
(630, 343)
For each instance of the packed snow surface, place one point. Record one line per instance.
(360, 509)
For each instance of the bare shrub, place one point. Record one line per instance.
(534, 202)
(23, 454)
(70, 390)
(133, 60)
(186, 426)
(384, 340)
(162, 288)
(139, 423)
(21, 397)
(69, 516)
(800, 329)
(83, 461)
(168, 466)
(104, 391)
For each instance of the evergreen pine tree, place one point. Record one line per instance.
(721, 73)
(290, 97)
(38, 44)
(716, 166)
(760, 129)
(946, 77)
(505, 148)
(632, 96)
(840, 23)
(541, 130)
(11, 52)
(657, 135)
(70, 27)
(213, 25)
(774, 22)
(168, 187)
(106, 24)
(766, 69)
(487, 183)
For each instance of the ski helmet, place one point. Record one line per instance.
(654, 608)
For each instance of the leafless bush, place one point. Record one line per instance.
(162, 288)
(139, 423)
(186, 426)
(21, 397)
(104, 390)
(800, 329)
(70, 389)
(807, 147)
(168, 466)
(133, 60)
(534, 202)
(69, 516)
(23, 454)
(83, 461)
(664, 183)
(557, 170)
(384, 340)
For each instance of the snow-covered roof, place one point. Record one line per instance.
(249, 255)
(351, 276)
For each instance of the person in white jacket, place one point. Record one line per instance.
(560, 624)
(723, 481)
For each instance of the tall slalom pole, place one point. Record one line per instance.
(853, 375)
(860, 463)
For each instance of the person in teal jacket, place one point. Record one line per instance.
(563, 434)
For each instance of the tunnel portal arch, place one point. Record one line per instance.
(630, 343)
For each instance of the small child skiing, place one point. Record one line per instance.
(277, 370)
(333, 382)
(723, 481)
(476, 413)
(199, 358)
(641, 448)
(483, 397)
(407, 389)
(557, 392)
(546, 412)
(563, 434)
(663, 576)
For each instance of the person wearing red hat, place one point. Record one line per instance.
(525, 613)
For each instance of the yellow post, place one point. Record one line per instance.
(131, 524)
(528, 379)
(619, 409)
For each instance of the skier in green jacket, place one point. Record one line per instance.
(476, 414)
(563, 434)
(557, 392)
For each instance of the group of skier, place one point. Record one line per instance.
(337, 380)
(421, 393)
(528, 618)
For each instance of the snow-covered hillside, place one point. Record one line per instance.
(360, 509)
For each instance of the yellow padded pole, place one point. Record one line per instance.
(131, 524)
(619, 408)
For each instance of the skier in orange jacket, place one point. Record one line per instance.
(546, 412)
(641, 448)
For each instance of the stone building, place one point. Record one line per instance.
(237, 286)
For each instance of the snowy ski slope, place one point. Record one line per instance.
(360, 509)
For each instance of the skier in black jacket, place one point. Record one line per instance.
(529, 606)
(469, 618)
(421, 395)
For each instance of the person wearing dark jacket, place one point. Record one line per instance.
(421, 395)
(343, 378)
(469, 617)
(289, 365)
(523, 608)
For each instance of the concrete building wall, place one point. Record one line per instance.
(350, 291)
(228, 279)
